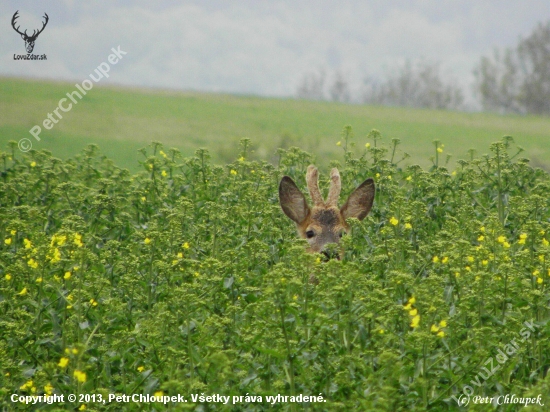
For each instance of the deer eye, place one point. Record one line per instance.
(310, 234)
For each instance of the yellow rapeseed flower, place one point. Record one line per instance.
(470, 259)
(545, 242)
(27, 243)
(412, 300)
(158, 393)
(485, 262)
(163, 173)
(441, 334)
(435, 259)
(63, 362)
(413, 312)
(408, 226)
(141, 368)
(185, 245)
(339, 143)
(501, 239)
(506, 245)
(434, 328)
(67, 275)
(93, 302)
(367, 145)
(147, 241)
(439, 150)
(7, 277)
(26, 385)
(78, 240)
(23, 292)
(33, 164)
(82, 407)
(39, 280)
(536, 272)
(80, 376)
(7, 241)
(481, 238)
(394, 221)
(54, 255)
(445, 259)
(409, 178)
(48, 389)
(415, 321)
(233, 172)
(443, 323)
(540, 280)
(180, 255)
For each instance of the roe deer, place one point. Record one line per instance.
(324, 223)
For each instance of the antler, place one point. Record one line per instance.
(312, 178)
(34, 33)
(15, 16)
(43, 25)
(335, 187)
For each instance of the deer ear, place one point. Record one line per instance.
(359, 203)
(292, 200)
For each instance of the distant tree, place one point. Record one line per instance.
(312, 86)
(339, 91)
(419, 85)
(518, 79)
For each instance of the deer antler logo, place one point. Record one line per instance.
(29, 40)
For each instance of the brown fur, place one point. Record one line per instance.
(324, 221)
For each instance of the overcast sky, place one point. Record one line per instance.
(260, 47)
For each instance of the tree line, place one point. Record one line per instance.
(513, 80)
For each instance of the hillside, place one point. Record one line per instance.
(122, 120)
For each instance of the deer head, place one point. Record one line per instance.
(29, 40)
(325, 222)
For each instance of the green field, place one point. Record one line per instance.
(123, 120)
(186, 279)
